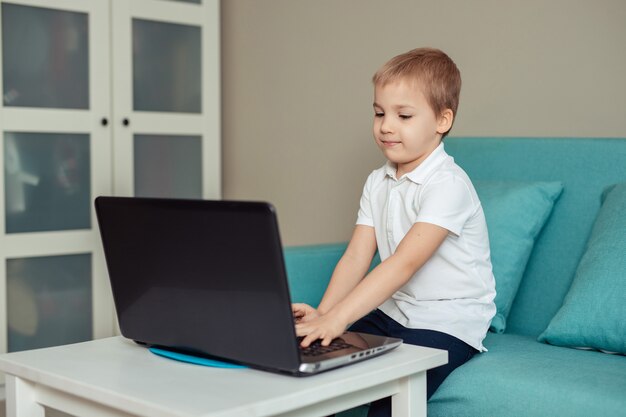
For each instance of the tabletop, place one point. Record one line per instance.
(117, 372)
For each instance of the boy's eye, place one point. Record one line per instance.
(378, 114)
(405, 116)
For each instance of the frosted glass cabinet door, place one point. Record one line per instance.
(166, 110)
(167, 73)
(168, 166)
(44, 57)
(46, 181)
(48, 301)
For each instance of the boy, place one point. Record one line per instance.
(434, 286)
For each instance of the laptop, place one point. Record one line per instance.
(207, 278)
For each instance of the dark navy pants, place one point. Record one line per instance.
(459, 352)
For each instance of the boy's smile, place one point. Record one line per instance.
(406, 128)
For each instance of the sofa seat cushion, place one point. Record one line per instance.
(522, 377)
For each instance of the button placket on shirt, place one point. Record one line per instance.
(392, 204)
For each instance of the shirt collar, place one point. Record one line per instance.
(423, 170)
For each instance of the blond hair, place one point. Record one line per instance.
(433, 70)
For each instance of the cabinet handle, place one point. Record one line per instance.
(104, 121)
(125, 122)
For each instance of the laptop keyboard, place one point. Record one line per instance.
(316, 348)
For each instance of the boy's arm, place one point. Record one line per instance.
(349, 271)
(351, 268)
(419, 244)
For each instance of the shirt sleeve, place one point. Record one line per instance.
(446, 202)
(364, 216)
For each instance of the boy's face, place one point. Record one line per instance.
(406, 128)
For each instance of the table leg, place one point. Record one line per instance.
(410, 401)
(21, 398)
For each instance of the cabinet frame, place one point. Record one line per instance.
(110, 99)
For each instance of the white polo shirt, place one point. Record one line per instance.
(453, 291)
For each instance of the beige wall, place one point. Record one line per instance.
(297, 95)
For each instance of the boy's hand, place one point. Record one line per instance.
(303, 312)
(325, 328)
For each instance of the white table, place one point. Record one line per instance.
(115, 377)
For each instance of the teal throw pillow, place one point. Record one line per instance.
(593, 314)
(515, 213)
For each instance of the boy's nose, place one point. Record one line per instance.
(386, 126)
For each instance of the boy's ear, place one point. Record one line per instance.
(445, 121)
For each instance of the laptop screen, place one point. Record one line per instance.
(204, 277)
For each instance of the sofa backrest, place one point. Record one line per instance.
(585, 167)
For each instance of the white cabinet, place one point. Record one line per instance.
(99, 97)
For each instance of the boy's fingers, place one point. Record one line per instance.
(298, 310)
(300, 332)
(308, 337)
(307, 341)
(326, 341)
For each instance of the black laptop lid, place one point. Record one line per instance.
(205, 277)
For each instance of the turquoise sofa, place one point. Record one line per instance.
(520, 375)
